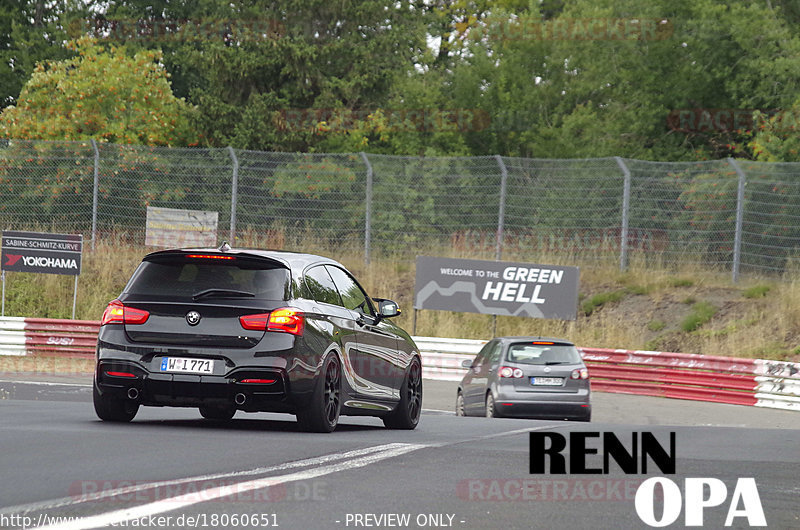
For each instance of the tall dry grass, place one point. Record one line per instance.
(763, 327)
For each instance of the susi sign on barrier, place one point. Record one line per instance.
(496, 288)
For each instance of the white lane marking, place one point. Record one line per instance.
(437, 411)
(189, 499)
(45, 383)
(136, 488)
(498, 435)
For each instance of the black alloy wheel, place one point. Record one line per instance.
(322, 414)
(406, 415)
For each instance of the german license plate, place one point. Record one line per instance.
(187, 365)
(547, 381)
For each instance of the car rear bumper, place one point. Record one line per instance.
(549, 405)
(543, 410)
(188, 390)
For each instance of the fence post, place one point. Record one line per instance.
(501, 213)
(626, 205)
(94, 191)
(737, 238)
(368, 208)
(234, 194)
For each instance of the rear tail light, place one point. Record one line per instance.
(255, 322)
(285, 320)
(258, 381)
(507, 371)
(118, 313)
(581, 373)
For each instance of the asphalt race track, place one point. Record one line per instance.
(171, 469)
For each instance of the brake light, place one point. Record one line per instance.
(581, 373)
(286, 320)
(118, 313)
(208, 256)
(541, 342)
(507, 371)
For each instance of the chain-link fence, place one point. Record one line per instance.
(724, 214)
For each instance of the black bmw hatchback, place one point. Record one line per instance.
(258, 331)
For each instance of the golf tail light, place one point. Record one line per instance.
(118, 313)
(507, 371)
(582, 373)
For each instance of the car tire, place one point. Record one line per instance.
(491, 409)
(112, 409)
(460, 404)
(406, 415)
(217, 413)
(322, 414)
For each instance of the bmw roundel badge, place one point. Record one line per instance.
(193, 318)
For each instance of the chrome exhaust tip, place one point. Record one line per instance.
(133, 393)
(239, 399)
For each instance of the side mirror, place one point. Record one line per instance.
(466, 363)
(387, 308)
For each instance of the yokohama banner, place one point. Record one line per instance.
(41, 252)
(496, 288)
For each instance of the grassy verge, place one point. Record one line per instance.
(648, 306)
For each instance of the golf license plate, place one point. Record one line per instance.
(547, 381)
(187, 365)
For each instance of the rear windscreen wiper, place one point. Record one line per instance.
(222, 293)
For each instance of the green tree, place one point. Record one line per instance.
(244, 63)
(102, 94)
(31, 31)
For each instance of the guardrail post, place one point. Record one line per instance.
(626, 205)
(95, 191)
(737, 237)
(234, 194)
(367, 209)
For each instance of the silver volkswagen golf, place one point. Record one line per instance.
(526, 377)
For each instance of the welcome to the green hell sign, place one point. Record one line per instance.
(567, 240)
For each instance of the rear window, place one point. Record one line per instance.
(527, 353)
(186, 277)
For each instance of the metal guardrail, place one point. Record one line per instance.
(755, 382)
(48, 337)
